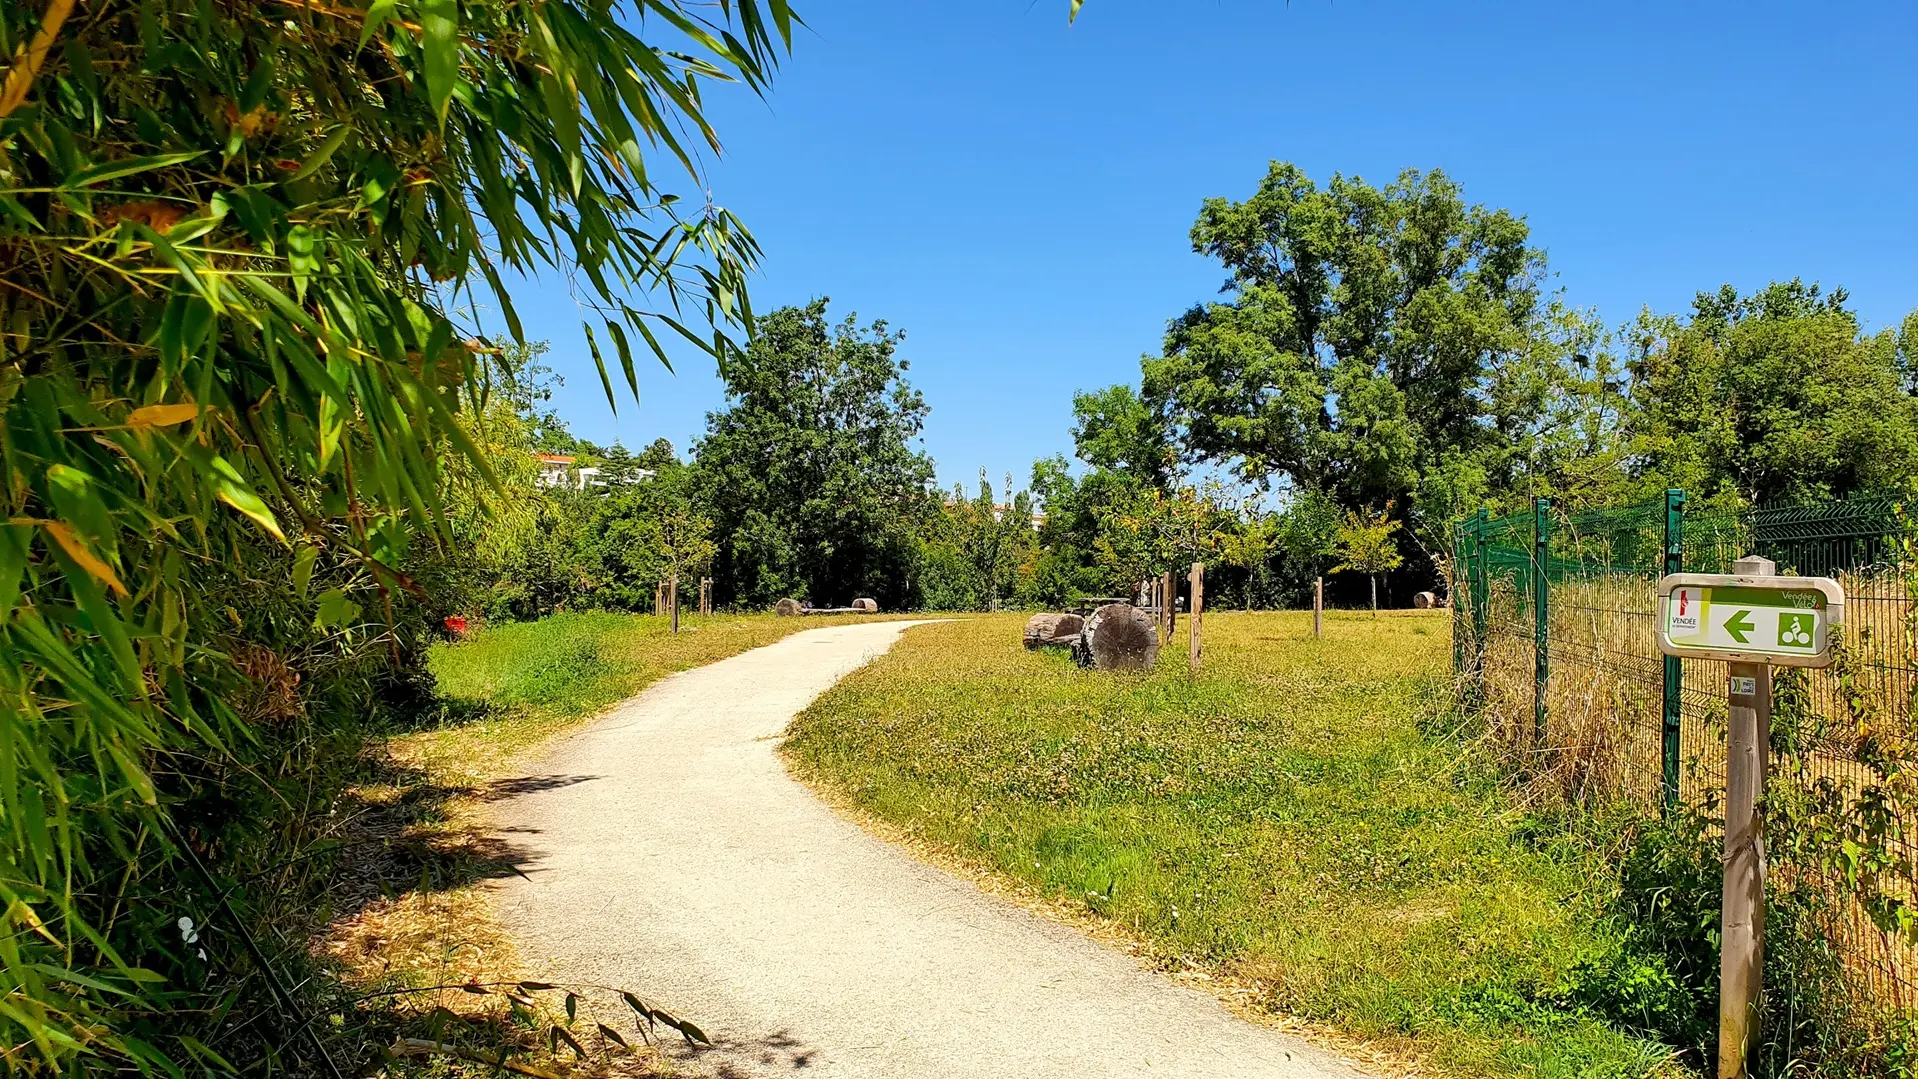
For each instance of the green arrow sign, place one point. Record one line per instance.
(1739, 625)
(1779, 620)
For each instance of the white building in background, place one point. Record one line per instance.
(556, 470)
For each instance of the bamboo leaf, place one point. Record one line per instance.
(231, 488)
(322, 154)
(162, 415)
(132, 166)
(440, 26)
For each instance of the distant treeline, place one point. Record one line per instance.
(1382, 361)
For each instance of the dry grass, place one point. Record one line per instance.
(1604, 735)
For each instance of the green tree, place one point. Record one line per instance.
(809, 473)
(633, 535)
(238, 239)
(1066, 565)
(1365, 545)
(977, 551)
(1150, 531)
(1381, 345)
(657, 456)
(1309, 530)
(1113, 429)
(1776, 396)
(1248, 546)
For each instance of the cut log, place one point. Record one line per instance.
(1425, 601)
(1054, 630)
(868, 605)
(1118, 637)
(787, 607)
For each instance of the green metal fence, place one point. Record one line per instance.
(1553, 639)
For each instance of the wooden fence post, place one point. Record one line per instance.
(672, 599)
(705, 595)
(1169, 589)
(1742, 933)
(1197, 613)
(1318, 607)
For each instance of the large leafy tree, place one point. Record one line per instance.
(1113, 429)
(1776, 396)
(811, 476)
(234, 237)
(1379, 344)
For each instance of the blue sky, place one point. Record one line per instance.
(1016, 193)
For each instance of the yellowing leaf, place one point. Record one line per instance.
(231, 488)
(81, 555)
(163, 415)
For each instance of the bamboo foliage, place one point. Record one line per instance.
(233, 239)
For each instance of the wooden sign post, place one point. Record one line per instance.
(705, 595)
(672, 599)
(1198, 610)
(1753, 620)
(1318, 607)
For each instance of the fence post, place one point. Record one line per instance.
(1741, 961)
(1541, 617)
(1195, 616)
(1674, 684)
(1169, 600)
(1481, 595)
(1455, 594)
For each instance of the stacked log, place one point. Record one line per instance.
(1425, 601)
(1053, 630)
(788, 607)
(870, 606)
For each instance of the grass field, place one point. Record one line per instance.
(1293, 819)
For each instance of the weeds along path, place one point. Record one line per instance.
(666, 850)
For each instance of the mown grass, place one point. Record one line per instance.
(511, 686)
(1292, 818)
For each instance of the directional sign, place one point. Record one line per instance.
(1784, 621)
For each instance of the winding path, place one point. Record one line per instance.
(665, 849)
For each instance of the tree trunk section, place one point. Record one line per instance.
(1119, 637)
(1053, 630)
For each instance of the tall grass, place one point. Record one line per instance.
(1841, 814)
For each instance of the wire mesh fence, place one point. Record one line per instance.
(1554, 637)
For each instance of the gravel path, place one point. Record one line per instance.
(666, 850)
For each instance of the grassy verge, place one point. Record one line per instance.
(512, 686)
(411, 920)
(1284, 820)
